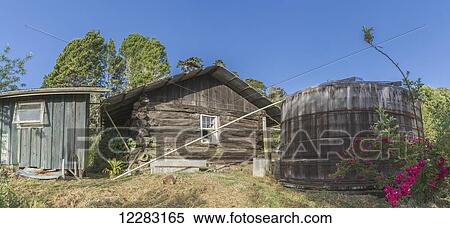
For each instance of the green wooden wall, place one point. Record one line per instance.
(63, 135)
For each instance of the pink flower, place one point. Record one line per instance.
(413, 170)
(410, 180)
(392, 195)
(385, 139)
(421, 163)
(441, 161)
(432, 184)
(399, 177)
(405, 189)
(443, 172)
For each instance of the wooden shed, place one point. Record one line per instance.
(42, 127)
(170, 112)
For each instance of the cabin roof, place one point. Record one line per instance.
(223, 75)
(51, 91)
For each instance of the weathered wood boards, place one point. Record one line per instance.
(319, 124)
(169, 116)
(63, 133)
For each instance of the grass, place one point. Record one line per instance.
(235, 187)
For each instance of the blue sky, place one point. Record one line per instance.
(267, 40)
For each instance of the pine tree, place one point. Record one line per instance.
(80, 64)
(145, 59)
(115, 69)
(190, 64)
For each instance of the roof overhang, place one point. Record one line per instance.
(52, 91)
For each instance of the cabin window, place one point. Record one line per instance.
(29, 113)
(208, 124)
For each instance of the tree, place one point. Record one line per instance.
(80, 64)
(11, 70)
(276, 93)
(190, 64)
(219, 62)
(145, 59)
(436, 116)
(256, 84)
(115, 69)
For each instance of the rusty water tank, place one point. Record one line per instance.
(319, 125)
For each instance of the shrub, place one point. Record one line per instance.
(422, 168)
(8, 198)
(115, 168)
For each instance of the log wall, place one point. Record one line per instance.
(169, 117)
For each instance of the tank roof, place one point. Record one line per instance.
(360, 80)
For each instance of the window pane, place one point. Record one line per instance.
(208, 121)
(29, 112)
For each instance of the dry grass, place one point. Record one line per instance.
(231, 188)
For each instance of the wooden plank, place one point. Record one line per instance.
(35, 147)
(46, 144)
(57, 132)
(81, 144)
(69, 129)
(14, 135)
(3, 145)
(25, 148)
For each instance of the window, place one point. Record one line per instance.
(29, 113)
(208, 124)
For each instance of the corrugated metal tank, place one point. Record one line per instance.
(320, 123)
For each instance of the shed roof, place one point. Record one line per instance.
(51, 91)
(223, 75)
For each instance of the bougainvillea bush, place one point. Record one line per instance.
(422, 170)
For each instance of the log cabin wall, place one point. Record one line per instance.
(168, 117)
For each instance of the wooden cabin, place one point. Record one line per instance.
(41, 128)
(170, 112)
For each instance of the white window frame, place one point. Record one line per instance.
(25, 123)
(214, 135)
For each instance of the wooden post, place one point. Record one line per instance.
(63, 169)
(266, 144)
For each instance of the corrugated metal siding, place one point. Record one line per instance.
(46, 146)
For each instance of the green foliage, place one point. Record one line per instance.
(415, 87)
(368, 34)
(386, 125)
(80, 64)
(115, 168)
(11, 69)
(8, 197)
(115, 69)
(190, 64)
(258, 85)
(421, 166)
(92, 153)
(90, 61)
(146, 60)
(436, 116)
(365, 170)
(118, 145)
(219, 62)
(276, 93)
